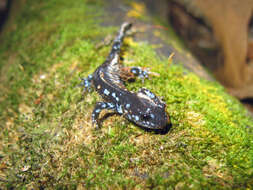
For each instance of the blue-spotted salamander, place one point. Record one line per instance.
(143, 108)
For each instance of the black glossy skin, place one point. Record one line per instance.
(142, 108)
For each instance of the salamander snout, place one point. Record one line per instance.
(151, 111)
(155, 118)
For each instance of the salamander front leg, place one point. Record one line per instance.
(87, 83)
(97, 110)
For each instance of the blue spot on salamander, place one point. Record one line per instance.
(127, 106)
(106, 92)
(98, 110)
(116, 46)
(137, 118)
(110, 105)
(119, 109)
(150, 94)
(114, 96)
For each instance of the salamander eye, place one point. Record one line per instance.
(145, 116)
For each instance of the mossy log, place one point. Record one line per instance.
(46, 138)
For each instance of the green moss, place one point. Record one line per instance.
(48, 140)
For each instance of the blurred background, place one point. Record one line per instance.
(219, 33)
(4, 8)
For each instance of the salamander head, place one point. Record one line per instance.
(149, 111)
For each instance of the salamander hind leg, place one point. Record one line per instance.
(97, 110)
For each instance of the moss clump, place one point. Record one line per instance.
(47, 139)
